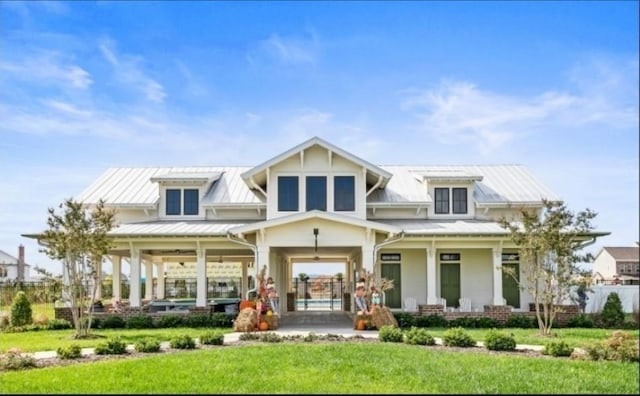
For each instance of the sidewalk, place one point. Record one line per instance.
(234, 337)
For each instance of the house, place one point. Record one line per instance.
(617, 265)
(12, 268)
(432, 229)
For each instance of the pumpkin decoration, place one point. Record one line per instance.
(360, 324)
(263, 326)
(269, 313)
(247, 304)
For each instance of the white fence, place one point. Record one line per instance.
(629, 297)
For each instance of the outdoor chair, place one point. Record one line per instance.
(465, 304)
(443, 302)
(410, 304)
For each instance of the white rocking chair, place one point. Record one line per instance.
(465, 304)
(410, 304)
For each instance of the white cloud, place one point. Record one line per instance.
(47, 68)
(288, 49)
(129, 70)
(458, 112)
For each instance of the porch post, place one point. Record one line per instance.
(201, 278)
(497, 276)
(263, 261)
(134, 279)
(99, 280)
(432, 297)
(244, 282)
(367, 257)
(161, 280)
(148, 280)
(116, 278)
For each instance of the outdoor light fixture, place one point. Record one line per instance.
(181, 264)
(315, 232)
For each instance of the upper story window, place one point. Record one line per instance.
(287, 193)
(191, 201)
(175, 198)
(344, 193)
(316, 192)
(442, 200)
(173, 202)
(458, 201)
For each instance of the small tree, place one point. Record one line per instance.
(21, 313)
(549, 244)
(612, 315)
(78, 238)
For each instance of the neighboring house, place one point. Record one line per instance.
(617, 265)
(13, 268)
(432, 229)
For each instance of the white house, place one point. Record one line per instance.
(432, 229)
(13, 268)
(619, 265)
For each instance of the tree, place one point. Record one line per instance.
(550, 242)
(78, 237)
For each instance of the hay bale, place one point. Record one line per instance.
(246, 321)
(272, 321)
(382, 316)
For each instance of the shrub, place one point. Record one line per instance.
(457, 337)
(147, 345)
(212, 338)
(581, 320)
(113, 346)
(182, 342)
(249, 336)
(41, 319)
(497, 341)
(521, 322)
(139, 322)
(620, 346)
(270, 337)
(390, 334)
(222, 320)
(59, 324)
(433, 320)
(21, 310)
(612, 315)
(557, 348)
(14, 360)
(311, 337)
(418, 336)
(112, 322)
(95, 322)
(72, 351)
(405, 319)
(200, 320)
(169, 321)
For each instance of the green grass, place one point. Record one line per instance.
(34, 341)
(47, 309)
(317, 368)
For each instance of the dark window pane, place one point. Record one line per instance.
(459, 200)
(316, 193)
(442, 200)
(287, 193)
(190, 202)
(344, 193)
(173, 202)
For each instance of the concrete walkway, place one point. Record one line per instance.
(297, 323)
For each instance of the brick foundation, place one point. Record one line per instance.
(426, 310)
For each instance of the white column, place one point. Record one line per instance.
(99, 280)
(367, 257)
(201, 278)
(116, 278)
(134, 279)
(244, 284)
(432, 296)
(497, 276)
(161, 280)
(148, 276)
(66, 282)
(263, 260)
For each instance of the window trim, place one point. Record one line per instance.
(184, 201)
(167, 212)
(352, 204)
(436, 208)
(295, 202)
(453, 200)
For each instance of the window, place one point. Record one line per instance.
(344, 193)
(317, 193)
(450, 257)
(190, 202)
(3, 272)
(287, 193)
(442, 200)
(173, 202)
(459, 200)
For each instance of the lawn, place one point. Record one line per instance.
(334, 367)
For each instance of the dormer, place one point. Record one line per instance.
(181, 194)
(452, 191)
(316, 175)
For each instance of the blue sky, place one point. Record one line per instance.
(89, 85)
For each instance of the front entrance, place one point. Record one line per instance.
(450, 283)
(393, 297)
(510, 287)
(316, 292)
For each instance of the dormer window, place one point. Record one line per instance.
(344, 193)
(175, 197)
(458, 200)
(288, 193)
(316, 193)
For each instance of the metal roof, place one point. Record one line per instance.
(174, 228)
(195, 177)
(446, 227)
(500, 184)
